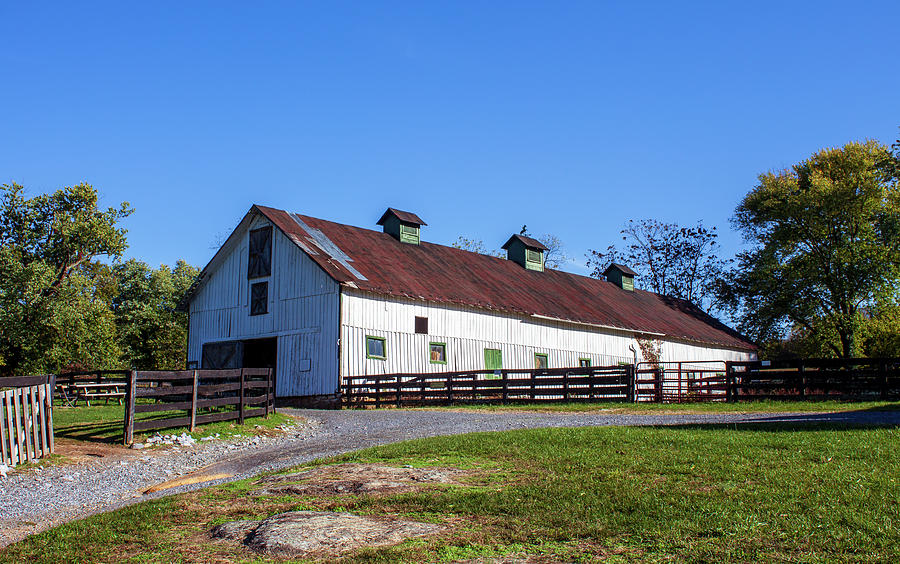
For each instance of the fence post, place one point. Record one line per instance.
(631, 382)
(241, 406)
(802, 371)
(565, 386)
(882, 368)
(194, 402)
(449, 389)
(399, 389)
(658, 385)
(129, 407)
(505, 381)
(268, 389)
(729, 382)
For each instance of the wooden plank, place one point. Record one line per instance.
(35, 407)
(241, 405)
(162, 391)
(22, 381)
(38, 402)
(9, 397)
(194, 403)
(155, 407)
(47, 414)
(4, 432)
(162, 423)
(130, 398)
(19, 423)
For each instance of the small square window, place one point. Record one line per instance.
(422, 325)
(437, 353)
(541, 361)
(532, 256)
(375, 348)
(259, 298)
(584, 362)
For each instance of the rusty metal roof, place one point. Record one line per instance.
(408, 217)
(376, 262)
(527, 241)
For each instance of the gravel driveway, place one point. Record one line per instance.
(31, 502)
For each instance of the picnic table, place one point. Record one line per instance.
(89, 391)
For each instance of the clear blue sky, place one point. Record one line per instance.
(568, 117)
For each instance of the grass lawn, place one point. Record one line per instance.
(105, 423)
(767, 406)
(696, 493)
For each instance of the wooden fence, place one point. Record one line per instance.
(187, 398)
(607, 383)
(668, 382)
(845, 379)
(26, 419)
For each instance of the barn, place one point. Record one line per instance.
(320, 301)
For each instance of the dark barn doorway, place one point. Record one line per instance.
(260, 353)
(252, 353)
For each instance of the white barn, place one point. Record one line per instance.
(320, 301)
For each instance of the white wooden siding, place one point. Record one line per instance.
(468, 331)
(302, 314)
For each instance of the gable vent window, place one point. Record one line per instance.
(259, 263)
(422, 325)
(532, 256)
(259, 298)
(409, 234)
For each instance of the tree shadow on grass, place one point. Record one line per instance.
(873, 418)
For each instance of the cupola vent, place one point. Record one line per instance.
(621, 276)
(401, 225)
(526, 251)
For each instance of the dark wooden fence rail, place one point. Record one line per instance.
(608, 383)
(26, 419)
(848, 379)
(201, 396)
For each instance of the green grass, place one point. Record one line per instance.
(695, 493)
(104, 423)
(766, 406)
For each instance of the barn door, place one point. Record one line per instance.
(493, 359)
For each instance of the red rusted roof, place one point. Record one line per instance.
(376, 262)
(408, 217)
(527, 241)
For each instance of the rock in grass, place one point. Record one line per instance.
(297, 533)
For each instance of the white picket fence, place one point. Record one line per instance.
(26, 422)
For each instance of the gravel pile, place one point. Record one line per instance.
(38, 498)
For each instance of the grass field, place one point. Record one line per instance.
(105, 423)
(768, 406)
(710, 493)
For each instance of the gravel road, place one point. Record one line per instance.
(33, 501)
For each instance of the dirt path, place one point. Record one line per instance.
(338, 432)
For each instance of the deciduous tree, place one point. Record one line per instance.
(48, 247)
(671, 260)
(825, 242)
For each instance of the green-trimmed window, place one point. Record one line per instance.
(584, 362)
(541, 361)
(409, 234)
(375, 347)
(534, 260)
(437, 353)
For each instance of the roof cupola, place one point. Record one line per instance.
(525, 251)
(401, 225)
(620, 275)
